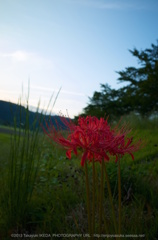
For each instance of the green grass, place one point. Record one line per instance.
(6, 127)
(4, 140)
(4, 150)
(57, 203)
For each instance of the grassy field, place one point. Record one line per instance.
(46, 195)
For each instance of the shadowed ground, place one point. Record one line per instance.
(6, 130)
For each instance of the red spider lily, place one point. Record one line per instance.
(85, 136)
(122, 145)
(95, 138)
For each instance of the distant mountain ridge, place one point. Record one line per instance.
(10, 111)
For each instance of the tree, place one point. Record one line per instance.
(140, 95)
(104, 102)
(143, 88)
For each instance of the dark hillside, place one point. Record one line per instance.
(10, 111)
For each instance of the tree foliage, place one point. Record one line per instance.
(140, 95)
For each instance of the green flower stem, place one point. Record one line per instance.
(119, 195)
(93, 211)
(88, 199)
(101, 198)
(97, 190)
(110, 197)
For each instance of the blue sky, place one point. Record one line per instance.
(72, 44)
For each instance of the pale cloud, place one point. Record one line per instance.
(73, 93)
(51, 90)
(21, 56)
(17, 55)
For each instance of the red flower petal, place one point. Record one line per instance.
(68, 154)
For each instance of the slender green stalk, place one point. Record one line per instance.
(111, 198)
(97, 190)
(93, 210)
(24, 158)
(119, 195)
(22, 165)
(88, 197)
(102, 189)
(101, 198)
